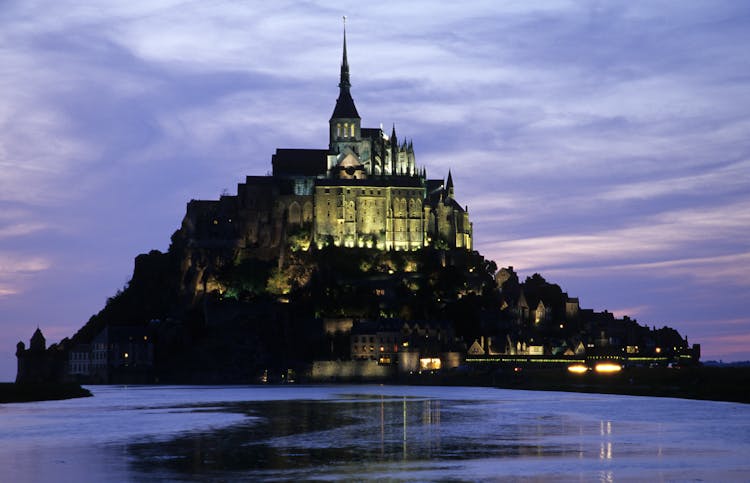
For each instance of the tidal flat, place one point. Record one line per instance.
(371, 432)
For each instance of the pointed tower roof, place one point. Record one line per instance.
(344, 77)
(344, 104)
(37, 340)
(449, 185)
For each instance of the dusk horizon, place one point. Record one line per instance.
(604, 147)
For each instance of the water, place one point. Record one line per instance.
(395, 433)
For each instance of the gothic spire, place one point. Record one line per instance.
(344, 79)
(449, 185)
(345, 108)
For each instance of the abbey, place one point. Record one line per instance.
(363, 190)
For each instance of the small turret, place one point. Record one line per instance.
(394, 150)
(38, 342)
(449, 185)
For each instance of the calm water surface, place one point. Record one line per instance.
(395, 433)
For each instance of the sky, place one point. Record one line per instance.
(603, 144)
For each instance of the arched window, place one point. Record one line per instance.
(352, 130)
(295, 214)
(338, 130)
(346, 128)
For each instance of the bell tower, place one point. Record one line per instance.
(345, 121)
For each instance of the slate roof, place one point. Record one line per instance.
(345, 106)
(299, 162)
(371, 132)
(434, 185)
(454, 204)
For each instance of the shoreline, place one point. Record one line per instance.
(724, 384)
(11, 392)
(700, 383)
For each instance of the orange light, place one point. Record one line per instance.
(607, 367)
(429, 364)
(577, 368)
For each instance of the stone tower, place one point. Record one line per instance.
(345, 129)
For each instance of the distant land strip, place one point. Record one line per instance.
(27, 392)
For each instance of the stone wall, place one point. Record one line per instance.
(350, 370)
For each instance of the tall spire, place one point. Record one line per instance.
(345, 108)
(344, 80)
(449, 185)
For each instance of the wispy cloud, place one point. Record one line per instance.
(6, 290)
(729, 347)
(582, 135)
(15, 270)
(653, 242)
(13, 264)
(721, 179)
(20, 229)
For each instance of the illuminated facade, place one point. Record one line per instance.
(364, 190)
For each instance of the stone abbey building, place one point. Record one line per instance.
(364, 190)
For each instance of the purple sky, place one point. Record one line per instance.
(603, 144)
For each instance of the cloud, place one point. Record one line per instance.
(13, 264)
(6, 290)
(21, 229)
(15, 270)
(732, 177)
(654, 240)
(584, 136)
(715, 271)
(729, 346)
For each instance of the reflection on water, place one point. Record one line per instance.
(367, 437)
(375, 433)
(605, 450)
(288, 435)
